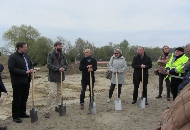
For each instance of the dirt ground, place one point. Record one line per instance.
(131, 117)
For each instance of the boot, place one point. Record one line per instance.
(3, 127)
(159, 96)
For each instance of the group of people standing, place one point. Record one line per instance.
(173, 68)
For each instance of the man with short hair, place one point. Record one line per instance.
(57, 64)
(20, 68)
(140, 61)
(87, 64)
(174, 68)
(186, 79)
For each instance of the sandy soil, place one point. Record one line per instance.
(131, 117)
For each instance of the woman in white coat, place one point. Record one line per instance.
(117, 64)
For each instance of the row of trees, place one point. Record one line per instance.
(39, 46)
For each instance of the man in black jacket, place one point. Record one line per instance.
(141, 61)
(87, 65)
(20, 68)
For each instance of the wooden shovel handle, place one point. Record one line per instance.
(61, 85)
(116, 78)
(91, 85)
(33, 88)
(142, 79)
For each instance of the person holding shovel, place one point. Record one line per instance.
(57, 64)
(20, 68)
(87, 64)
(117, 64)
(140, 61)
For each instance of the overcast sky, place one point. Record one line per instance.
(148, 23)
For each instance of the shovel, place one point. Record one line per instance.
(92, 104)
(117, 101)
(142, 99)
(33, 112)
(62, 107)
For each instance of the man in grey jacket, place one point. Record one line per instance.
(57, 64)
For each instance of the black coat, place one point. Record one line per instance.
(17, 68)
(83, 67)
(136, 64)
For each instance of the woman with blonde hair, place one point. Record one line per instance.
(117, 64)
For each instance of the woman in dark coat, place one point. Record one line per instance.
(140, 61)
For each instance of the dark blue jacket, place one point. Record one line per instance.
(186, 79)
(2, 86)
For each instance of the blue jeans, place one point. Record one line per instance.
(82, 95)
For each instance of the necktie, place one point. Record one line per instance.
(26, 62)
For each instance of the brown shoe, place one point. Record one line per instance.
(168, 98)
(56, 109)
(159, 96)
(81, 106)
(47, 115)
(3, 127)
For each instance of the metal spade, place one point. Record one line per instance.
(92, 104)
(62, 107)
(33, 112)
(142, 100)
(117, 101)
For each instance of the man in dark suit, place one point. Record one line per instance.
(20, 68)
(140, 61)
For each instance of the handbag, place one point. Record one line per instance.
(108, 74)
(156, 72)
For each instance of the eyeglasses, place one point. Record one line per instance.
(85, 52)
(115, 53)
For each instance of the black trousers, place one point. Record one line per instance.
(174, 86)
(82, 95)
(20, 97)
(144, 92)
(161, 79)
(112, 87)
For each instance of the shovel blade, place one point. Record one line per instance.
(92, 108)
(142, 102)
(33, 115)
(118, 105)
(62, 109)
